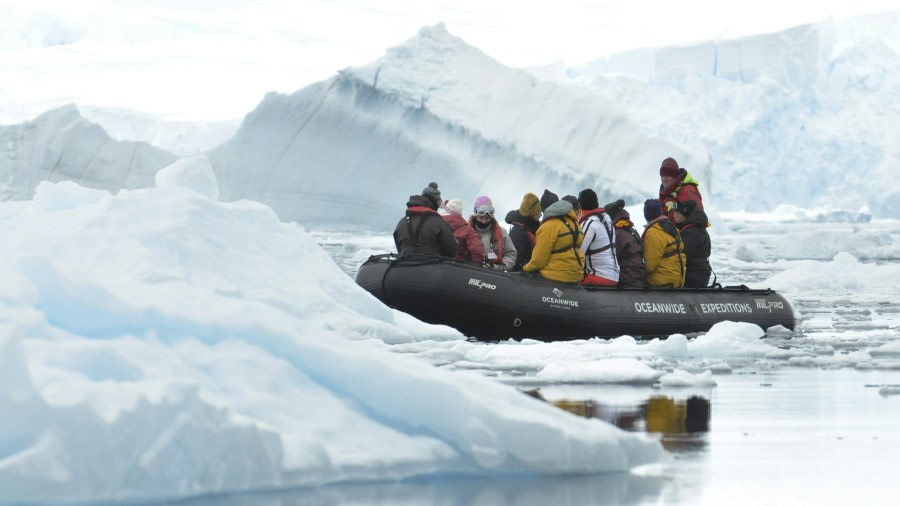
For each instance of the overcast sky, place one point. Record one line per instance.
(516, 32)
(216, 58)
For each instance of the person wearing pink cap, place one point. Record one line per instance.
(677, 185)
(499, 250)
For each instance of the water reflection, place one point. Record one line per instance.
(682, 423)
(610, 489)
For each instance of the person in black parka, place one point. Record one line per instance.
(422, 231)
(523, 224)
(692, 222)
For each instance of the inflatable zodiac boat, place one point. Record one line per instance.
(492, 305)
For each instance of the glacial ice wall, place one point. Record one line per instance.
(353, 148)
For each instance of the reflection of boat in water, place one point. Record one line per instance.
(668, 416)
(682, 423)
(490, 304)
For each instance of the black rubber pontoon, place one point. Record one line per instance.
(490, 305)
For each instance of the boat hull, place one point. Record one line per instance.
(491, 305)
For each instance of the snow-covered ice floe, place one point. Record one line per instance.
(157, 343)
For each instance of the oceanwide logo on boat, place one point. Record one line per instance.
(558, 301)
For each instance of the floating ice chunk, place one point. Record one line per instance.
(856, 359)
(679, 378)
(720, 368)
(675, 346)
(779, 331)
(886, 365)
(730, 338)
(891, 349)
(616, 370)
(804, 361)
(788, 353)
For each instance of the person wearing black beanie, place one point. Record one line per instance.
(422, 231)
(547, 199)
(599, 245)
(652, 209)
(587, 199)
(433, 193)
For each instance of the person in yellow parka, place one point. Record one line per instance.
(556, 253)
(664, 257)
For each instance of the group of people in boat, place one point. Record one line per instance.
(571, 239)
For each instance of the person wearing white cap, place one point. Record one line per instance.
(470, 248)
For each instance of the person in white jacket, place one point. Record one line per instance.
(600, 265)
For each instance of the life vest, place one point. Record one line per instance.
(609, 234)
(532, 238)
(424, 213)
(496, 238)
(574, 245)
(675, 247)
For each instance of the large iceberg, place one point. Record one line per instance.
(157, 343)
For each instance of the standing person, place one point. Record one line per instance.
(691, 222)
(422, 231)
(601, 267)
(629, 247)
(663, 249)
(499, 250)
(677, 186)
(524, 224)
(470, 248)
(557, 254)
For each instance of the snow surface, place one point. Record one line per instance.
(157, 344)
